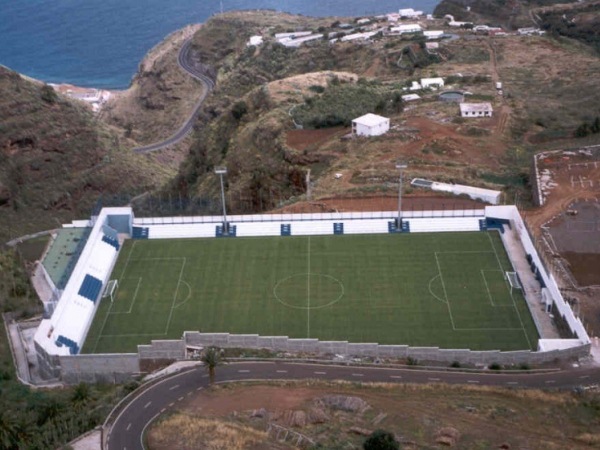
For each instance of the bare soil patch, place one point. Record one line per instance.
(303, 139)
(576, 235)
(420, 416)
(383, 203)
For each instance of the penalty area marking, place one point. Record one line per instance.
(185, 300)
(431, 290)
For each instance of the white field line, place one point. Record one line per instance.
(487, 288)
(175, 295)
(445, 292)
(132, 302)
(308, 294)
(510, 292)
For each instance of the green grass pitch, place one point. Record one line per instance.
(431, 289)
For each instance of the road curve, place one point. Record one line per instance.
(184, 61)
(126, 433)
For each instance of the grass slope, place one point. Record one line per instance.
(441, 289)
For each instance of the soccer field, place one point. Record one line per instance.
(423, 289)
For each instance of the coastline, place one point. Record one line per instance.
(96, 98)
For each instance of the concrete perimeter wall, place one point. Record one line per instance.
(511, 213)
(113, 368)
(423, 354)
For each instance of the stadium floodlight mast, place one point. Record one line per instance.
(222, 171)
(400, 166)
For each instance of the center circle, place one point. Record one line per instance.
(308, 291)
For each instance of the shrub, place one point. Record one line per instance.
(495, 366)
(455, 364)
(381, 440)
(412, 361)
(239, 109)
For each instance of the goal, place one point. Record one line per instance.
(513, 280)
(110, 289)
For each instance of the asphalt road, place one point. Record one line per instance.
(128, 429)
(195, 70)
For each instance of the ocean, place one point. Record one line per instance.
(99, 43)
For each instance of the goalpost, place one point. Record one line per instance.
(110, 289)
(513, 281)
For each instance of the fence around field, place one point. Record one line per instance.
(119, 367)
(390, 215)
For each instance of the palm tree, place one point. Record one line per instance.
(211, 357)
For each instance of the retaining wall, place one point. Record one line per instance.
(328, 348)
(110, 368)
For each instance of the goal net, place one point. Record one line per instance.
(513, 280)
(110, 289)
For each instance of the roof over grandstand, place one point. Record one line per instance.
(64, 333)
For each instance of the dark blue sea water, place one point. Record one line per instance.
(100, 43)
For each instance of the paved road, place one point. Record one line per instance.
(128, 429)
(197, 71)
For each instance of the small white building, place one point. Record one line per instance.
(406, 28)
(363, 21)
(432, 45)
(432, 83)
(297, 42)
(370, 125)
(410, 97)
(359, 36)
(415, 86)
(409, 12)
(476, 110)
(254, 41)
(433, 34)
(476, 193)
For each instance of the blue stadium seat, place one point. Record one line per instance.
(72, 345)
(286, 229)
(90, 288)
(140, 232)
(111, 242)
(338, 228)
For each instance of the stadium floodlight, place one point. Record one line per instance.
(400, 166)
(222, 171)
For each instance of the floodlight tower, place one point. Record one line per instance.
(400, 166)
(222, 171)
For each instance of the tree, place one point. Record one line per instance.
(48, 94)
(381, 440)
(211, 357)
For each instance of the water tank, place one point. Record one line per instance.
(498, 85)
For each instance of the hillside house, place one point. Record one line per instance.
(409, 12)
(476, 110)
(370, 125)
(432, 83)
(254, 41)
(406, 28)
(433, 34)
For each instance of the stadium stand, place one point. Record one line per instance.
(139, 233)
(90, 288)
(64, 332)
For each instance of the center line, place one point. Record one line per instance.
(148, 404)
(282, 371)
(173, 387)
(308, 294)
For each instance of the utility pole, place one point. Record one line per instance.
(400, 166)
(222, 171)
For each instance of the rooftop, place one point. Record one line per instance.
(370, 120)
(476, 107)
